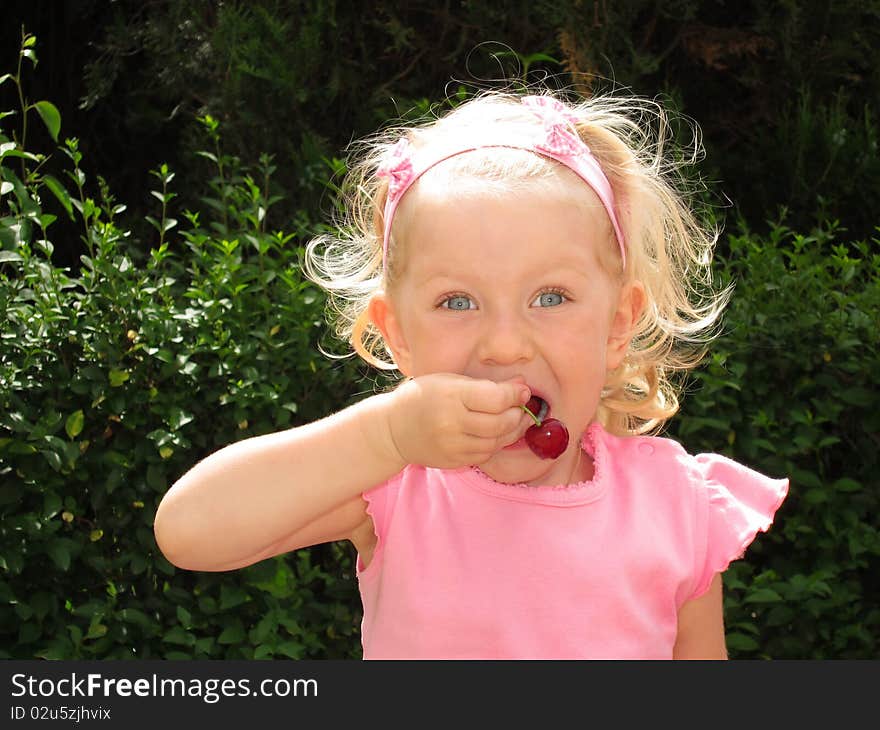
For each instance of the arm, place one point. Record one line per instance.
(263, 495)
(701, 626)
(274, 493)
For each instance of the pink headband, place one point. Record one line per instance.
(556, 139)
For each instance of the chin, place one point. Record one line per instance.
(520, 466)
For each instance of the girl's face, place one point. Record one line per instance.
(500, 287)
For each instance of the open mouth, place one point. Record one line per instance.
(538, 407)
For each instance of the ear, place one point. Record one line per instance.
(383, 316)
(629, 308)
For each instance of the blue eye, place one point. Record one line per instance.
(549, 299)
(458, 303)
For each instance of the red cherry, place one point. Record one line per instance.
(548, 440)
(534, 405)
(537, 408)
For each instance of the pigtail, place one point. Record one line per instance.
(347, 264)
(669, 250)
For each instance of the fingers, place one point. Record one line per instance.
(509, 424)
(449, 421)
(486, 396)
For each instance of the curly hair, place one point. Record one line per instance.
(669, 249)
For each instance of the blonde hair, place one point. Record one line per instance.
(668, 248)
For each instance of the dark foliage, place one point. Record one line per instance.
(786, 93)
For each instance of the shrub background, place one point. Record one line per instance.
(145, 328)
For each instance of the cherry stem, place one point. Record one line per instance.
(534, 417)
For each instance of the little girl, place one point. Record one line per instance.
(520, 260)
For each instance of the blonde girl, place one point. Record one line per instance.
(534, 270)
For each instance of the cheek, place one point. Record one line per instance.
(437, 349)
(433, 359)
(583, 342)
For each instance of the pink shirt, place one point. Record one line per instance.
(466, 567)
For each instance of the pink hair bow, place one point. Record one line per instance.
(398, 168)
(559, 135)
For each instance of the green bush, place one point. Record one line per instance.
(791, 389)
(787, 93)
(115, 379)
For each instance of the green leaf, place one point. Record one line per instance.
(231, 635)
(74, 424)
(138, 564)
(28, 633)
(59, 192)
(263, 652)
(7, 151)
(21, 448)
(51, 505)
(8, 256)
(59, 551)
(137, 617)
(51, 117)
(179, 635)
(177, 418)
(232, 596)
(76, 634)
(4, 78)
(96, 629)
(267, 627)
(532, 57)
(118, 377)
(205, 645)
(60, 648)
(741, 642)
(292, 649)
(42, 604)
(54, 460)
(816, 495)
(845, 484)
(763, 595)
(856, 396)
(156, 478)
(160, 436)
(805, 478)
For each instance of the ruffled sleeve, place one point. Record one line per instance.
(377, 501)
(380, 501)
(738, 503)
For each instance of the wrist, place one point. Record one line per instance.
(378, 427)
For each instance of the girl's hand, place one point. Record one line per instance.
(450, 421)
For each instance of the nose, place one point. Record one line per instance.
(505, 340)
